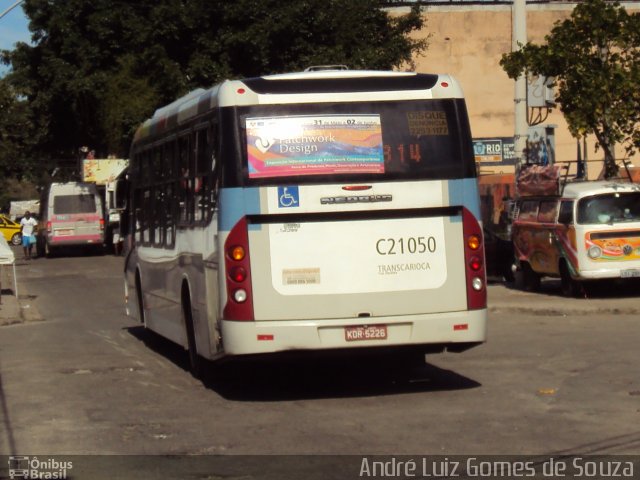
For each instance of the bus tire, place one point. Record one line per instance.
(141, 314)
(195, 362)
(530, 279)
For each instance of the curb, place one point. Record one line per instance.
(550, 302)
(28, 312)
(560, 312)
(16, 311)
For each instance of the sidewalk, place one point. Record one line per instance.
(550, 301)
(16, 310)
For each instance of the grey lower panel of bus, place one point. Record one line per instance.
(163, 279)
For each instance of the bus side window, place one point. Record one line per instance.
(186, 195)
(200, 183)
(565, 216)
(212, 168)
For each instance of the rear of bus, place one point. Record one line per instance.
(351, 216)
(74, 216)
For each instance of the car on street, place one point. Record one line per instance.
(10, 230)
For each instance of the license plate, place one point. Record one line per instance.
(63, 233)
(365, 332)
(631, 273)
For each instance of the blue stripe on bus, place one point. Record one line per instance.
(465, 192)
(236, 203)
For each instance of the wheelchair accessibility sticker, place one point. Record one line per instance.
(288, 197)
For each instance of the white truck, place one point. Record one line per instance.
(110, 177)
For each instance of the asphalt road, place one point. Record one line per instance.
(85, 379)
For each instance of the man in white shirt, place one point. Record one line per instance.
(28, 224)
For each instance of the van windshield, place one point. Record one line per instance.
(609, 208)
(82, 203)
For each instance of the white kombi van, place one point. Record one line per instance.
(71, 215)
(589, 231)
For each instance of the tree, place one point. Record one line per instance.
(98, 68)
(271, 36)
(594, 57)
(17, 135)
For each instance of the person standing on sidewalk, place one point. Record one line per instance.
(28, 224)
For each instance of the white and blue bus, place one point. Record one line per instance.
(321, 210)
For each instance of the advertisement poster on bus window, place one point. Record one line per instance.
(314, 145)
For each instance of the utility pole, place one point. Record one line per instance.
(519, 37)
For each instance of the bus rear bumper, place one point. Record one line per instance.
(75, 240)
(429, 330)
(631, 271)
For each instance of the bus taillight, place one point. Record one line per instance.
(239, 304)
(238, 274)
(474, 262)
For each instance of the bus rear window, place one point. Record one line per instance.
(83, 203)
(314, 145)
(369, 141)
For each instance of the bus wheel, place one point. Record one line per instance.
(570, 287)
(530, 279)
(195, 362)
(141, 314)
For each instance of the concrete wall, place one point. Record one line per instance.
(468, 41)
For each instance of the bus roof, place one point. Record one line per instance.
(301, 87)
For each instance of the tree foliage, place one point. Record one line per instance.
(594, 57)
(17, 137)
(97, 68)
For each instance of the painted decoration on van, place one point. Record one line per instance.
(367, 256)
(620, 248)
(314, 145)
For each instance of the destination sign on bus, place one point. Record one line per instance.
(313, 145)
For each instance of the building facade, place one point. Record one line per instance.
(468, 40)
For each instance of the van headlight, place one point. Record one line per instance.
(594, 252)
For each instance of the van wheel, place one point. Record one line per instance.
(195, 362)
(508, 271)
(48, 251)
(530, 279)
(39, 246)
(570, 287)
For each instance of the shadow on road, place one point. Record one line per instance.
(314, 379)
(606, 289)
(288, 376)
